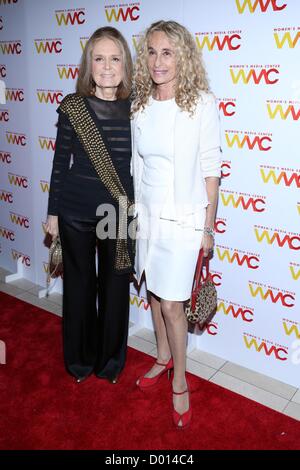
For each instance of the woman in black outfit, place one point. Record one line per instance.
(95, 339)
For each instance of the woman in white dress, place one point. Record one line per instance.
(176, 170)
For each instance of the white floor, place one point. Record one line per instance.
(265, 390)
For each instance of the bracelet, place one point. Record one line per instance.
(209, 231)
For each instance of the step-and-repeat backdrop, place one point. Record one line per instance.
(252, 52)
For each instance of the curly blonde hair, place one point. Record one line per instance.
(191, 76)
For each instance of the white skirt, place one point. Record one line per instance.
(166, 252)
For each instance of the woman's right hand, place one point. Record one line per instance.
(51, 226)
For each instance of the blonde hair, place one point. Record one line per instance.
(85, 83)
(191, 76)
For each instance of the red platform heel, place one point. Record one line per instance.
(185, 417)
(147, 382)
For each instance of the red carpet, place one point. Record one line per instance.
(41, 407)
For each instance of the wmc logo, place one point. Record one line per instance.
(135, 41)
(83, 42)
(49, 96)
(283, 111)
(225, 169)
(8, 2)
(262, 346)
(44, 228)
(4, 115)
(2, 70)
(13, 94)
(6, 196)
(243, 201)
(220, 225)
(287, 299)
(292, 329)
(249, 140)
(44, 186)
(139, 302)
(257, 74)
(47, 143)
(48, 46)
(7, 234)
(236, 311)
(214, 41)
(11, 47)
(211, 328)
(5, 157)
(17, 180)
(250, 260)
(295, 271)
(124, 12)
(263, 5)
(16, 255)
(227, 106)
(288, 36)
(70, 17)
(16, 139)
(68, 71)
(46, 267)
(280, 176)
(278, 237)
(216, 278)
(21, 220)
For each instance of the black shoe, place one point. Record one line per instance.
(78, 380)
(113, 380)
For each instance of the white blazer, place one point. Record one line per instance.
(197, 156)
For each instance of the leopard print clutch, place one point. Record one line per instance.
(202, 305)
(205, 303)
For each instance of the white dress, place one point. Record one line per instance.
(166, 251)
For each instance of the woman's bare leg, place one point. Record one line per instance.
(163, 349)
(176, 328)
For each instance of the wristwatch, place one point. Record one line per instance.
(209, 231)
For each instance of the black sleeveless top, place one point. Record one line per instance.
(75, 187)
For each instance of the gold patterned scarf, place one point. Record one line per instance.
(89, 135)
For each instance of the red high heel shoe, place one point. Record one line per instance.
(147, 382)
(185, 417)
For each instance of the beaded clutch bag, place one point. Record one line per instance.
(55, 260)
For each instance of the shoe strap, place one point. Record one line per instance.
(160, 364)
(180, 393)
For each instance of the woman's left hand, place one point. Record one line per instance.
(207, 244)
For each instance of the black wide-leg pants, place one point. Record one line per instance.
(95, 337)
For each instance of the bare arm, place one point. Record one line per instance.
(210, 160)
(212, 188)
(51, 226)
